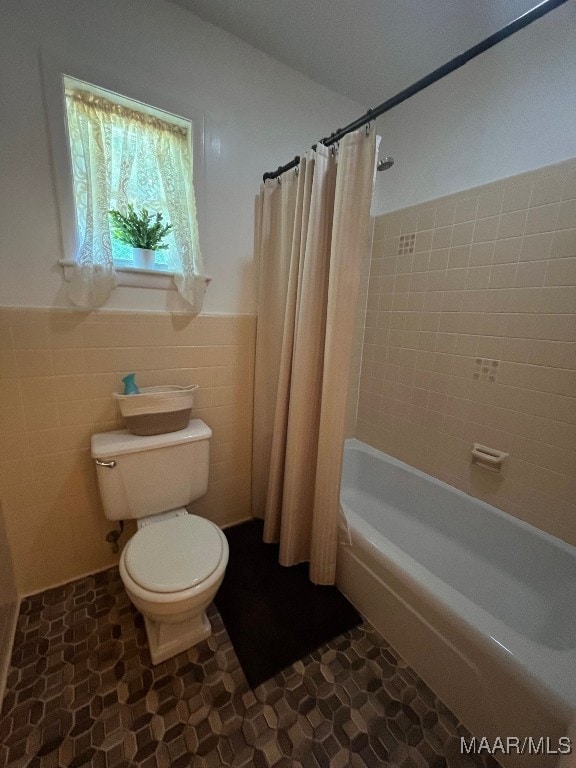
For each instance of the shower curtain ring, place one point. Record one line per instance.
(368, 129)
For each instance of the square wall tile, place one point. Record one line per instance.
(492, 283)
(63, 367)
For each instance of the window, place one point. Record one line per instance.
(124, 152)
(121, 151)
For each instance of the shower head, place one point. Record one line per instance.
(384, 164)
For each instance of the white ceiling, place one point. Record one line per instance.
(367, 50)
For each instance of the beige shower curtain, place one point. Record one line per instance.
(310, 233)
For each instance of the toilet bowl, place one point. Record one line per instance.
(174, 564)
(171, 569)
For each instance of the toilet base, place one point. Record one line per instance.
(167, 640)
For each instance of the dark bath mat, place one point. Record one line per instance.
(275, 615)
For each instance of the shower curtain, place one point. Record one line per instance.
(310, 234)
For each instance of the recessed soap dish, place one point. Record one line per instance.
(488, 458)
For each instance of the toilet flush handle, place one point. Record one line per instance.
(109, 464)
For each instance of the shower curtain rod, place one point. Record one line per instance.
(458, 61)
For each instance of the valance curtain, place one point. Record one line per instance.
(120, 156)
(310, 234)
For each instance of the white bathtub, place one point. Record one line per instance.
(482, 605)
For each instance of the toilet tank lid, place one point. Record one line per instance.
(108, 444)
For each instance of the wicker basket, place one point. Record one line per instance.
(157, 410)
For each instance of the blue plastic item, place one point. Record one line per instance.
(130, 387)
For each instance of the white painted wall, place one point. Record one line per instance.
(258, 115)
(512, 109)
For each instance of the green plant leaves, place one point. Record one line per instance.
(139, 229)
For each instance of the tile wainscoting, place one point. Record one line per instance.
(470, 337)
(58, 369)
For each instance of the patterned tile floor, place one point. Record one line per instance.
(82, 692)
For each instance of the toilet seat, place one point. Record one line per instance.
(173, 555)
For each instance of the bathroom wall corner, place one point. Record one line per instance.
(9, 607)
(358, 341)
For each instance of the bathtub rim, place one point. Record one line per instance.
(544, 666)
(354, 443)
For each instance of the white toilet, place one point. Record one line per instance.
(175, 562)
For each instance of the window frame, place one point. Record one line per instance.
(55, 68)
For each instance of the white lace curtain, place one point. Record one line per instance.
(120, 156)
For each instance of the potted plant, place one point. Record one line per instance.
(143, 231)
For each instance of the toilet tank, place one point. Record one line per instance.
(141, 476)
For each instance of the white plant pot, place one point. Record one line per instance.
(143, 258)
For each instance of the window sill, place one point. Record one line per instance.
(133, 277)
(137, 277)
